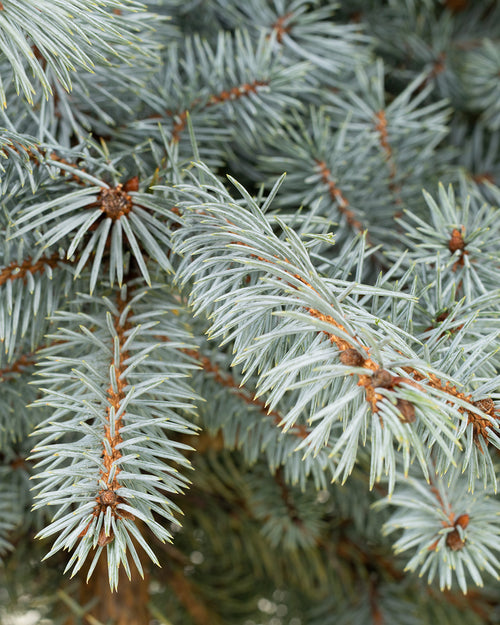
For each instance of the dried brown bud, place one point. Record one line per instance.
(105, 540)
(108, 497)
(462, 520)
(382, 378)
(454, 541)
(486, 405)
(115, 202)
(456, 242)
(132, 184)
(407, 411)
(351, 357)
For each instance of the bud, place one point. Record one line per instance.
(351, 357)
(486, 405)
(454, 542)
(407, 411)
(108, 497)
(382, 378)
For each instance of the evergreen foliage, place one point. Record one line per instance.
(250, 311)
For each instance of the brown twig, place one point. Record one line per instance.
(279, 27)
(338, 197)
(188, 596)
(376, 612)
(235, 93)
(18, 366)
(109, 496)
(39, 156)
(227, 380)
(16, 271)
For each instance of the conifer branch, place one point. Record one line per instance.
(258, 85)
(326, 164)
(457, 537)
(114, 478)
(388, 394)
(110, 214)
(111, 454)
(97, 34)
(31, 287)
(305, 33)
(351, 354)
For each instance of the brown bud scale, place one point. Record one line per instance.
(407, 411)
(454, 542)
(105, 539)
(115, 202)
(132, 184)
(351, 357)
(456, 242)
(486, 405)
(108, 497)
(382, 378)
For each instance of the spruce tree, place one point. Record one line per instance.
(250, 312)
